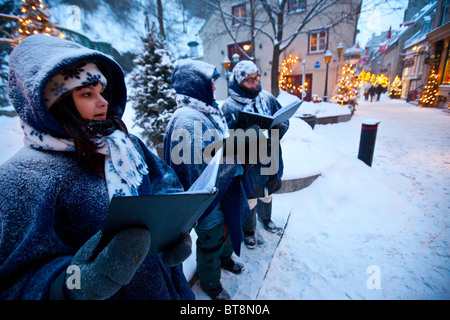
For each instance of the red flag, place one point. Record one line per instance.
(389, 33)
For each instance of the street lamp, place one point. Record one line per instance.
(327, 56)
(339, 48)
(226, 64)
(303, 80)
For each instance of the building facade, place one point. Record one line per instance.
(438, 57)
(245, 30)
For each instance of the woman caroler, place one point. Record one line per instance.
(55, 192)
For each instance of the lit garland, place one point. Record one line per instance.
(346, 92)
(367, 77)
(381, 79)
(364, 77)
(431, 89)
(36, 20)
(396, 89)
(284, 83)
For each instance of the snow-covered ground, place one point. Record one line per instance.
(357, 232)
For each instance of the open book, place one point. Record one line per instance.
(166, 216)
(249, 145)
(264, 121)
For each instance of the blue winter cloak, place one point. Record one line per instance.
(49, 205)
(253, 182)
(193, 79)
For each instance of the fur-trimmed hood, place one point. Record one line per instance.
(36, 60)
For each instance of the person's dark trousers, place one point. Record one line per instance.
(264, 211)
(213, 248)
(249, 224)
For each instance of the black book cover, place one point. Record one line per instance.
(165, 216)
(247, 119)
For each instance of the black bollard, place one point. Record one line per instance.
(367, 141)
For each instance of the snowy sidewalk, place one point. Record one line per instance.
(356, 232)
(359, 232)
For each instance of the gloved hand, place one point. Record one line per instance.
(113, 267)
(180, 252)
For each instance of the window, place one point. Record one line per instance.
(318, 41)
(445, 12)
(238, 11)
(446, 74)
(232, 49)
(296, 5)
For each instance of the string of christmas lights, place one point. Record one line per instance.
(396, 88)
(285, 83)
(431, 89)
(346, 92)
(35, 19)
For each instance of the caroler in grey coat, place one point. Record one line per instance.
(197, 114)
(52, 205)
(259, 187)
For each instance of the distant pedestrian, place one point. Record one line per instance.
(372, 91)
(379, 90)
(366, 91)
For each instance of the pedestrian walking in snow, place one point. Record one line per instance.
(55, 192)
(366, 91)
(246, 94)
(379, 90)
(219, 230)
(372, 92)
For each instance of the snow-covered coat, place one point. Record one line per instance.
(254, 183)
(49, 205)
(192, 80)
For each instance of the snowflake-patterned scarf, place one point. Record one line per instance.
(124, 165)
(217, 115)
(259, 103)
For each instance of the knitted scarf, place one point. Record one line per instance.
(255, 102)
(217, 115)
(124, 165)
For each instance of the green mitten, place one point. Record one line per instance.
(114, 266)
(180, 252)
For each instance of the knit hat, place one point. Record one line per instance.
(70, 78)
(243, 69)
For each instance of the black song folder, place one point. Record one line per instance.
(264, 121)
(165, 216)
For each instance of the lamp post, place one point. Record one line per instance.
(226, 64)
(303, 80)
(327, 61)
(339, 48)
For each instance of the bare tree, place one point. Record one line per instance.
(161, 19)
(270, 18)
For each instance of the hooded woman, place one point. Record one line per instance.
(246, 94)
(55, 192)
(219, 229)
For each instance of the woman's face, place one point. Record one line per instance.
(90, 103)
